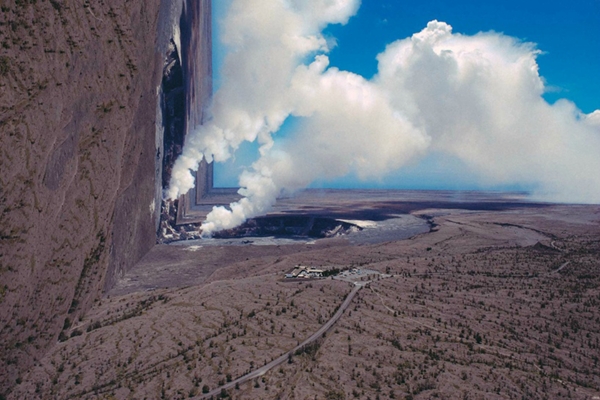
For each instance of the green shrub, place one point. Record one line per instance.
(4, 66)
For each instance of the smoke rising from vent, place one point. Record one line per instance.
(477, 98)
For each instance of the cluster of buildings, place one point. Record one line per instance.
(305, 272)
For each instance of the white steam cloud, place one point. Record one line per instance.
(478, 98)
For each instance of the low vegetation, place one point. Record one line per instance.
(466, 313)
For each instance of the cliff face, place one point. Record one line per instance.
(77, 160)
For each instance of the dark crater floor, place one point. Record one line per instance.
(289, 226)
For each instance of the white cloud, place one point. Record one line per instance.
(477, 98)
(480, 99)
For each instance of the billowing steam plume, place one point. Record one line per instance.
(478, 98)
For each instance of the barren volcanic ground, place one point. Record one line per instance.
(77, 159)
(489, 304)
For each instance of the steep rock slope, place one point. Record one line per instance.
(77, 162)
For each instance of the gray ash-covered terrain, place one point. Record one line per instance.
(78, 203)
(489, 304)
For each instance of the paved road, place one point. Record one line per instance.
(262, 370)
(556, 271)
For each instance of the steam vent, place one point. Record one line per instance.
(185, 95)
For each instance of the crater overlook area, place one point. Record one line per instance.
(414, 294)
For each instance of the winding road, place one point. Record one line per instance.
(278, 361)
(556, 271)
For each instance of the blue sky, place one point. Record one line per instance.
(567, 32)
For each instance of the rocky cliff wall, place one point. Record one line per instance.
(77, 162)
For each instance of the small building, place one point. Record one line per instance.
(304, 272)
